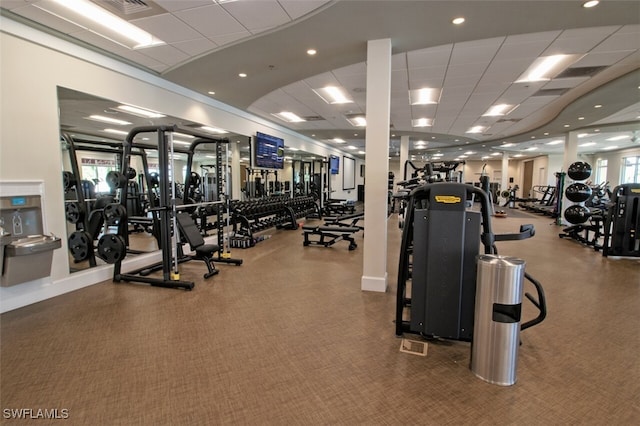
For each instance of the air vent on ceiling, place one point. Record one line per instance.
(313, 118)
(131, 9)
(550, 92)
(508, 120)
(580, 72)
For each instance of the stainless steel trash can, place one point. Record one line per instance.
(498, 308)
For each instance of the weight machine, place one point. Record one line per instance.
(440, 242)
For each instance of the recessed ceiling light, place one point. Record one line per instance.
(357, 121)
(519, 155)
(476, 129)
(531, 148)
(289, 117)
(495, 153)
(580, 118)
(590, 3)
(311, 52)
(470, 152)
(211, 92)
(242, 75)
(422, 122)
(546, 67)
(546, 133)
(361, 152)
(618, 138)
(555, 142)
(507, 145)
(587, 144)
(352, 147)
(458, 20)
(607, 148)
(597, 106)
(109, 120)
(424, 96)
(499, 110)
(567, 125)
(338, 140)
(92, 17)
(333, 95)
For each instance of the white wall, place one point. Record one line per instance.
(29, 77)
(614, 164)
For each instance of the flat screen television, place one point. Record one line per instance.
(334, 164)
(268, 151)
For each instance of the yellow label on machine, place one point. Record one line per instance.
(637, 191)
(447, 199)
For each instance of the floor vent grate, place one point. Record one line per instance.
(413, 347)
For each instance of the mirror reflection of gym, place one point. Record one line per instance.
(92, 131)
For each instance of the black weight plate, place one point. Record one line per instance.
(80, 245)
(74, 212)
(111, 248)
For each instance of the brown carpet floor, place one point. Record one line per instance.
(289, 338)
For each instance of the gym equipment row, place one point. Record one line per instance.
(249, 217)
(441, 240)
(337, 228)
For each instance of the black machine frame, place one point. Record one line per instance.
(441, 239)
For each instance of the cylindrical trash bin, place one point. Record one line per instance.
(496, 329)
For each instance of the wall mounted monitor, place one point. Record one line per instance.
(334, 164)
(268, 151)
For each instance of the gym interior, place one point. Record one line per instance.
(178, 250)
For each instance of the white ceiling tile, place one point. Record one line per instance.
(525, 45)
(175, 5)
(210, 21)
(602, 58)
(505, 71)
(322, 80)
(166, 54)
(257, 14)
(427, 77)
(355, 69)
(195, 47)
(579, 40)
(627, 38)
(399, 62)
(298, 8)
(167, 27)
(223, 39)
(460, 81)
(429, 57)
(472, 71)
(481, 51)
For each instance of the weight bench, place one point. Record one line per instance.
(348, 220)
(328, 235)
(191, 234)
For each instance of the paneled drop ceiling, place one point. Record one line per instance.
(476, 65)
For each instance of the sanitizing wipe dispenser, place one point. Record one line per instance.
(496, 330)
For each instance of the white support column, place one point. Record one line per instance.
(570, 156)
(235, 171)
(504, 182)
(374, 270)
(404, 155)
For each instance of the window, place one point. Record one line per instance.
(630, 170)
(601, 171)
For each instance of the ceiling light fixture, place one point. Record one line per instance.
(242, 75)
(587, 144)
(607, 148)
(424, 96)
(289, 117)
(361, 152)
(311, 52)
(597, 106)
(140, 112)
(109, 120)
(519, 155)
(546, 67)
(213, 130)
(211, 92)
(117, 132)
(338, 140)
(555, 142)
(458, 21)
(531, 148)
(495, 153)
(357, 121)
(97, 20)
(333, 95)
(618, 138)
(422, 122)
(591, 3)
(507, 145)
(477, 129)
(500, 110)
(352, 147)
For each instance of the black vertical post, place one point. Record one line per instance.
(165, 225)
